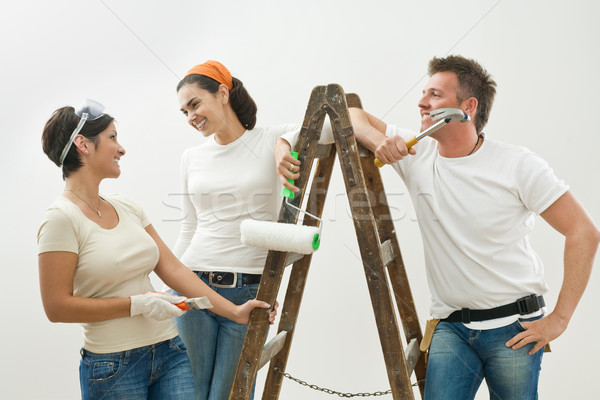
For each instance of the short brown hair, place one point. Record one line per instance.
(58, 130)
(473, 81)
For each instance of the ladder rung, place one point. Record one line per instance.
(292, 258)
(412, 354)
(323, 150)
(272, 348)
(387, 252)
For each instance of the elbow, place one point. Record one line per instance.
(591, 237)
(53, 317)
(54, 314)
(596, 237)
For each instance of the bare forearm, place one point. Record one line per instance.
(580, 251)
(186, 282)
(83, 309)
(56, 272)
(369, 131)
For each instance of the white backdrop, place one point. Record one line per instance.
(130, 56)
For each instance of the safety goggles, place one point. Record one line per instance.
(89, 110)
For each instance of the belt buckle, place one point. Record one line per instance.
(218, 285)
(465, 315)
(528, 304)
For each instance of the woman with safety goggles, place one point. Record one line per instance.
(95, 254)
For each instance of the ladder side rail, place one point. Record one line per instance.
(368, 238)
(396, 268)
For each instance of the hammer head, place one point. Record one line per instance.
(449, 114)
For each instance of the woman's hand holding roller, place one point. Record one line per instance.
(287, 166)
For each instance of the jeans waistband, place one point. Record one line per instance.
(229, 279)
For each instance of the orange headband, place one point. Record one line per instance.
(214, 70)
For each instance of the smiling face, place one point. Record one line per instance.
(440, 92)
(204, 111)
(106, 153)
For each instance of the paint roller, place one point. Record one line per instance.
(282, 236)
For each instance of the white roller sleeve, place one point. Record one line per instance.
(278, 236)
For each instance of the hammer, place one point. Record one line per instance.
(443, 116)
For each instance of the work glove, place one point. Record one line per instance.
(156, 305)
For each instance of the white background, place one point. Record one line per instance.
(130, 55)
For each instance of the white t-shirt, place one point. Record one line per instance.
(111, 263)
(222, 186)
(475, 214)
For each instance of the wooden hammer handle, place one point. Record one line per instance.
(409, 143)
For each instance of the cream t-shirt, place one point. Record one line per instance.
(111, 263)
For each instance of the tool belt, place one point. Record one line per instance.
(229, 280)
(523, 306)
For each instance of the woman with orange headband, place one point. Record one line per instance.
(227, 179)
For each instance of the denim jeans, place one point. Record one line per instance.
(460, 358)
(214, 343)
(159, 371)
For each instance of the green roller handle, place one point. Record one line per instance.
(285, 192)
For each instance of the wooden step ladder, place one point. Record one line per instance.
(378, 245)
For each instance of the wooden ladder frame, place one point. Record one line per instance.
(378, 248)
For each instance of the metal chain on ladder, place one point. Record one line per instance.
(329, 391)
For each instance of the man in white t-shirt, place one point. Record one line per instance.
(476, 200)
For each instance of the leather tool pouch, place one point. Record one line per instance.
(428, 335)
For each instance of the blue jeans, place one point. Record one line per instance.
(159, 371)
(460, 358)
(214, 343)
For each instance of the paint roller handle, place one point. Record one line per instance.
(285, 192)
(409, 143)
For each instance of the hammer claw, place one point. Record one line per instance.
(449, 114)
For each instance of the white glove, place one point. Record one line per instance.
(156, 305)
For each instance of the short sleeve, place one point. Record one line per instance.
(133, 207)
(537, 185)
(290, 134)
(57, 233)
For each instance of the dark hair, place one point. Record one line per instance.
(473, 81)
(58, 130)
(242, 104)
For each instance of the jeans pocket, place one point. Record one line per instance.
(521, 327)
(177, 344)
(252, 290)
(103, 366)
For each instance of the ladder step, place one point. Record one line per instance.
(292, 258)
(387, 252)
(272, 348)
(412, 354)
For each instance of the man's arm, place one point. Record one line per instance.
(568, 217)
(370, 132)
